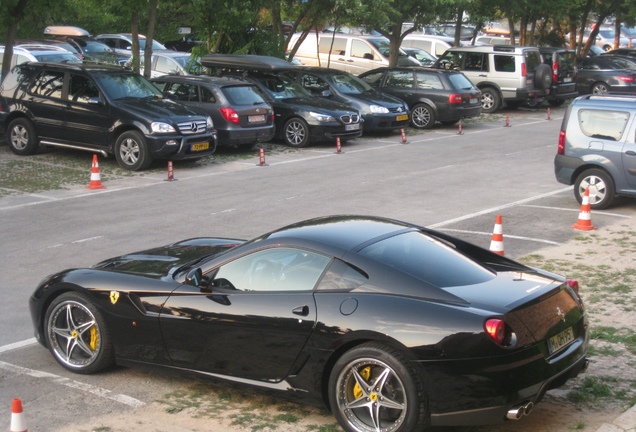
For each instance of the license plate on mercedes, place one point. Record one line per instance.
(200, 146)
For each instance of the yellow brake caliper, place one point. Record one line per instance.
(94, 338)
(364, 373)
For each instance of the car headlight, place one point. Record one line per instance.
(160, 127)
(377, 109)
(209, 124)
(322, 117)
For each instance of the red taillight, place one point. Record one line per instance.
(573, 284)
(272, 116)
(561, 146)
(555, 71)
(523, 70)
(626, 79)
(455, 98)
(230, 115)
(496, 329)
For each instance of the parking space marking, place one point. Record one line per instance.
(97, 391)
(16, 345)
(604, 213)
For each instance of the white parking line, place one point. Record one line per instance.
(97, 391)
(16, 345)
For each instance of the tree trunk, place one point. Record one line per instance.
(149, 38)
(12, 30)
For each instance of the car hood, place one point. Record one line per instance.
(157, 108)
(314, 103)
(164, 260)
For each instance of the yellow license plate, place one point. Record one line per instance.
(200, 146)
(557, 342)
(402, 117)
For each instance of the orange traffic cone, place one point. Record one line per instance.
(96, 180)
(18, 424)
(585, 217)
(496, 244)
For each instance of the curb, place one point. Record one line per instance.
(626, 422)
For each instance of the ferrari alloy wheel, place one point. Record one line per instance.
(373, 388)
(132, 152)
(296, 133)
(76, 334)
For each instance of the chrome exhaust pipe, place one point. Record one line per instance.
(517, 412)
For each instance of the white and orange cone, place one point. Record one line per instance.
(585, 216)
(96, 180)
(496, 244)
(18, 424)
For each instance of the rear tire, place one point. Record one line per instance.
(22, 138)
(422, 116)
(601, 187)
(600, 88)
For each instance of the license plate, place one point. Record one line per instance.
(351, 127)
(567, 79)
(557, 342)
(402, 117)
(256, 119)
(200, 146)
(473, 100)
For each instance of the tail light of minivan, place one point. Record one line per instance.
(524, 72)
(561, 146)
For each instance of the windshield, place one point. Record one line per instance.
(384, 46)
(349, 84)
(126, 85)
(282, 87)
(190, 64)
(96, 47)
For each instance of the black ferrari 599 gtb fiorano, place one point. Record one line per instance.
(393, 326)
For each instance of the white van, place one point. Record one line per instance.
(351, 53)
(434, 45)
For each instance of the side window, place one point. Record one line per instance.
(451, 60)
(48, 84)
(504, 63)
(166, 66)
(341, 276)
(183, 92)
(373, 79)
(602, 124)
(429, 81)
(399, 79)
(81, 88)
(474, 62)
(361, 49)
(277, 269)
(124, 44)
(207, 95)
(314, 84)
(338, 48)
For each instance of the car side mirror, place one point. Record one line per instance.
(326, 93)
(194, 277)
(95, 100)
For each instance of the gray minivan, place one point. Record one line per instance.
(597, 148)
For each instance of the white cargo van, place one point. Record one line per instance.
(434, 45)
(351, 53)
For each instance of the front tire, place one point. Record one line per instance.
(76, 334)
(374, 387)
(296, 133)
(132, 152)
(490, 100)
(422, 116)
(600, 88)
(22, 138)
(601, 187)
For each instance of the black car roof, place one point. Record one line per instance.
(85, 67)
(245, 62)
(220, 80)
(412, 68)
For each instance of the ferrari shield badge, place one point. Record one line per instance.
(114, 296)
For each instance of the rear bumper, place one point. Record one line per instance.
(565, 168)
(234, 137)
(563, 91)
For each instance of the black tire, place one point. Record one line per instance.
(393, 394)
(543, 77)
(556, 102)
(296, 132)
(600, 88)
(132, 152)
(76, 334)
(22, 138)
(423, 116)
(490, 100)
(601, 186)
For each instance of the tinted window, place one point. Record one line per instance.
(459, 81)
(279, 269)
(341, 276)
(505, 63)
(81, 89)
(207, 95)
(603, 124)
(243, 95)
(126, 85)
(427, 259)
(338, 48)
(476, 62)
(183, 92)
(399, 79)
(429, 81)
(48, 84)
(373, 78)
(349, 84)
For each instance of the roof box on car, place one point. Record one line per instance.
(245, 62)
(65, 31)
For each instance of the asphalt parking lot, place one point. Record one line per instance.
(442, 179)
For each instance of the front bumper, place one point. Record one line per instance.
(180, 147)
(385, 122)
(331, 132)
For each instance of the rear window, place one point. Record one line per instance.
(603, 124)
(533, 60)
(427, 259)
(243, 95)
(460, 81)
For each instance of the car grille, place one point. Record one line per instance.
(397, 110)
(192, 127)
(347, 119)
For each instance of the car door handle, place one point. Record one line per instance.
(630, 153)
(301, 310)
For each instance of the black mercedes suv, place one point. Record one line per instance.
(99, 108)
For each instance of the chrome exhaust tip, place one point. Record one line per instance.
(515, 413)
(527, 408)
